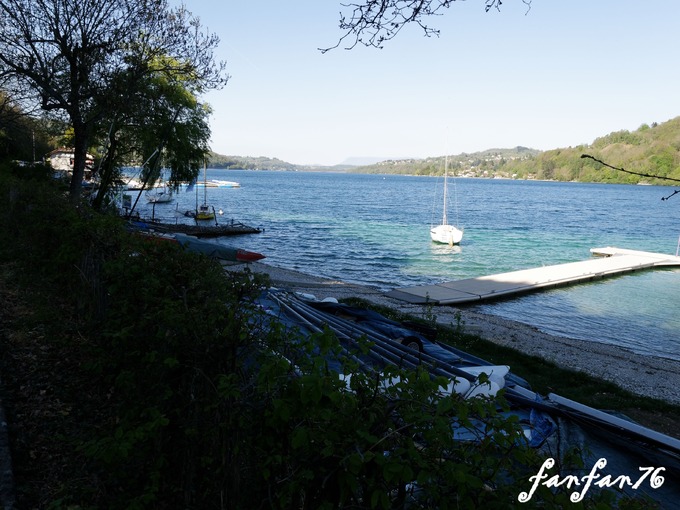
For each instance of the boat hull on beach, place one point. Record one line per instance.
(207, 248)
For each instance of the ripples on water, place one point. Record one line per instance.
(374, 230)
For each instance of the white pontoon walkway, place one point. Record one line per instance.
(611, 262)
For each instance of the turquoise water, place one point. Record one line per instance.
(374, 230)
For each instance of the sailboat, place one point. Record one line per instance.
(159, 194)
(445, 233)
(204, 211)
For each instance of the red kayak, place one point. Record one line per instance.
(248, 256)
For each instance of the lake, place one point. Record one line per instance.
(374, 230)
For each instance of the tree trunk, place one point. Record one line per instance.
(81, 140)
(107, 168)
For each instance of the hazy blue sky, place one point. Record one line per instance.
(560, 75)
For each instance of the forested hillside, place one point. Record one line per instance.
(651, 149)
(479, 164)
(265, 163)
(248, 163)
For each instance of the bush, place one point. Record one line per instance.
(206, 402)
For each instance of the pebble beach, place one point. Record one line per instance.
(647, 376)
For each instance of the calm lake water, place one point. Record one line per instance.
(374, 230)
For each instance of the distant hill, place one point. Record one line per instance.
(477, 164)
(363, 161)
(264, 163)
(651, 149)
(248, 163)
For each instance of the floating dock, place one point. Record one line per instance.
(609, 262)
(202, 231)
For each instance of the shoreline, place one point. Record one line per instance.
(647, 376)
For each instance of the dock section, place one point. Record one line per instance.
(609, 261)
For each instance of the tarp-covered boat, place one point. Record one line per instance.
(553, 423)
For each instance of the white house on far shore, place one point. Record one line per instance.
(61, 160)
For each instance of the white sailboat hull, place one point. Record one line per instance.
(446, 234)
(159, 198)
(159, 194)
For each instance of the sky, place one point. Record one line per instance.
(559, 75)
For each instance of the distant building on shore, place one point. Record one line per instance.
(61, 161)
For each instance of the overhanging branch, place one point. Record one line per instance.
(374, 22)
(641, 174)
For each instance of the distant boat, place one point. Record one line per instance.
(160, 195)
(205, 212)
(216, 183)
(225, 184)
(445, 233)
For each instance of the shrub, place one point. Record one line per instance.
(207, 402)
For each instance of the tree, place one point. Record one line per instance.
(68, 57)
(373, 22)
(162, 122)
(22, 137)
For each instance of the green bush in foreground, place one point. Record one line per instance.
(206, 402)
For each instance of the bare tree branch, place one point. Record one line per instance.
(374, 22)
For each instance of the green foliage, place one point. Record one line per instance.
(160, 122)
(623, 137)
(53, 244)
(206, 402)
(175, 335)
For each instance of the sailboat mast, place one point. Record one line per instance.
(446, 192)
(205, 183)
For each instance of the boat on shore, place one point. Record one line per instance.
(212, 250)
(216, 251)
(549, 422)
